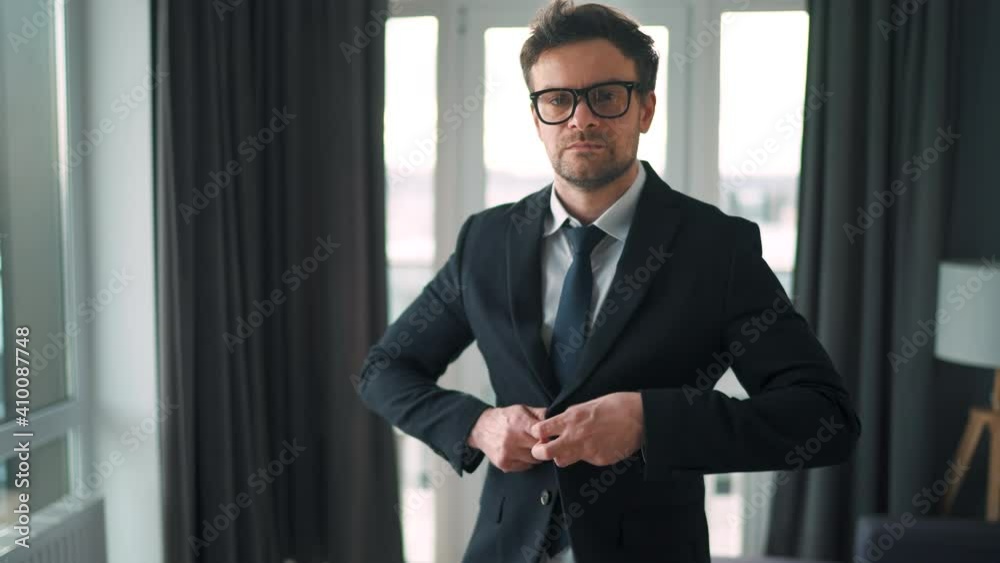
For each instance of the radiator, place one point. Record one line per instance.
(72, 537)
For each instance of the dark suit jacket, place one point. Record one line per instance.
(691, 297)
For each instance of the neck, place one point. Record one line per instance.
(587, 205)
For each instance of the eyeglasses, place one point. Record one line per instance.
(607, 99)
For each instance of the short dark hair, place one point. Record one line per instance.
(561, 23)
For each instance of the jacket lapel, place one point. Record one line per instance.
(656, 221)
(654, 225)
(524, 284)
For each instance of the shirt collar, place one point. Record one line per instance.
(615, 220)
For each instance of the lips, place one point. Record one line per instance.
(585, 146)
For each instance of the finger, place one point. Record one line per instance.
(518, 445)
(562, 448)
(524, 457)
(538, 412)
(562, 460)
(549, 427)
(525, 440)
(565, 461)
(540, 452)
(528, 458)
(565, 451)
(526, 417)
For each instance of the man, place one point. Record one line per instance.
(606, 305)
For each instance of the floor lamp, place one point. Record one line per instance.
(968, 333)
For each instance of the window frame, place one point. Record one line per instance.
(694, 122)
(72, 416)
(706, 109)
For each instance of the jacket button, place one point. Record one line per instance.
(545, 498)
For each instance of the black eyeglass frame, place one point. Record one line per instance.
(585, 93)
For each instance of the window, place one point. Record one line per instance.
(762, 83)
(760, 129)
(39, 316)
(411, 156)
(52, 458)
(730, 84)
(31, 250)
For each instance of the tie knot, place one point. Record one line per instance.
(583, 239)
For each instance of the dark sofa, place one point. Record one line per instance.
(917, 539)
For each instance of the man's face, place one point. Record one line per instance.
(579, 65)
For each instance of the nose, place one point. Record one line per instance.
(583, 117)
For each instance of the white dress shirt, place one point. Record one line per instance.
(557, 255)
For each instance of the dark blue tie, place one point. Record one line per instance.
(570, 331)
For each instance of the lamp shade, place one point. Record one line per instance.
(969, 294)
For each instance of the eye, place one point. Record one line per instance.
(556, 99)
(605, 95)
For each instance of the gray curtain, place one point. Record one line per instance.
(883, 143)
(271, 280)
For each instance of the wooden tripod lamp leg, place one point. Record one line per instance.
(963, 455)
(993, 487)
(996, 391)
(980, 419)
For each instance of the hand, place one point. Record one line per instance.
(502, 435)
(601, 432)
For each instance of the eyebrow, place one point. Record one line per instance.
(591, 84)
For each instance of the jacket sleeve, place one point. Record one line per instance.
(798, 414)
(399, 377)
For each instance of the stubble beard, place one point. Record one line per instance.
(600, 175)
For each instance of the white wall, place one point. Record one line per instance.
(111, 42)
